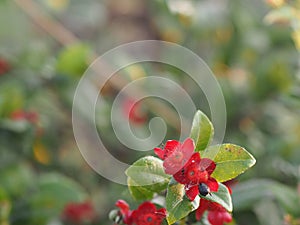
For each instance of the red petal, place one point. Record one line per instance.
(180, 155)
(192, 192)
(208, 165)
(212, 184)
(171, 167)
(171, 145)
(173, 164)
(135, 215)
(146, 207)
(162, 212)
(229, 189)
(187, 148)
(181, 176)
(141, 215)
(123, 206)
(202, 208)
(159, 152)
(194, 159)
(219, 217)
(169, 148)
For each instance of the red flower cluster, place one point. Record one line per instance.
(31, 117)
(145, 214)
(188, 168)
(217, 214)
(133, 111)
(4, 66)
(175, 154)
(79, 213)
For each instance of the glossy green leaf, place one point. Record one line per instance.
(177, 204)
(222, 197)
(231, 160)
(202, 131)
(146, 177)
(139, 192)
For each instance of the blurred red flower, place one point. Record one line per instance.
(31, 117)
(217, 214)
(4, 66)
(133, 111)
(79, 213)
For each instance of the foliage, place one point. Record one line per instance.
(231, 160)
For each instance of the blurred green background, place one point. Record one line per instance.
(250, 45)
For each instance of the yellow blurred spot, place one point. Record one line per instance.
(276, 3)
(171, 35)
(296, 38)
(136, 72)
(249, 55)
(41, 154)
(184, 19)
(223, 35)
(220, 69)
(57, 4)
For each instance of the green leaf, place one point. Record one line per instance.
(202, 131)
(222, 197)
(139, 192)
(11, 97)
(74, 60)
(146, 176)
(177, 204)
(231, 160)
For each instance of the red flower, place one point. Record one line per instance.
(195, 172)
(217, 214)
(79, 213)
(4, 66)
(133, 111)
(147, 214)
(175, 154)
(124, 211)
(31, 117)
